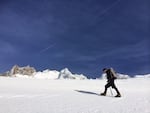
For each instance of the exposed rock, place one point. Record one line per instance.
(27, 70)
(5, 74)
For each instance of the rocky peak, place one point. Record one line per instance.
(27, 70)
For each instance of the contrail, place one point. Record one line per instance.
(110, 7)
(47, 48)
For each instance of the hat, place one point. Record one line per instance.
(104, 69)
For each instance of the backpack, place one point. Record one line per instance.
(114, 75)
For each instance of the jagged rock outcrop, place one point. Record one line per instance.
(27, 70)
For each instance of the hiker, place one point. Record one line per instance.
(111, 76)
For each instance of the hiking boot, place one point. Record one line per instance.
(103, 94)
(118, 95)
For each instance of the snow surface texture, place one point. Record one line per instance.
(24, 95)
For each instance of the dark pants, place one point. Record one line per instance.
(112, 84)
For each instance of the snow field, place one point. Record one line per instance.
(22, 95)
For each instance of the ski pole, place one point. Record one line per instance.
(111, 91)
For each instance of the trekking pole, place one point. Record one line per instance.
(111, 91)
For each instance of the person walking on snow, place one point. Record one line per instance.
(111, 76)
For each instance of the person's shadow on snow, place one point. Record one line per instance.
(87, 92)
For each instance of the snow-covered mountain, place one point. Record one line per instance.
(122, 76)
(46, 74)
(119, 76)
(30, 72)
(66, 74)
(54, 74)
(142, 76)
(63, 74)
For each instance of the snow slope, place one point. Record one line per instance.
(28, 95)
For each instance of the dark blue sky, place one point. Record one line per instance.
(82, 35)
